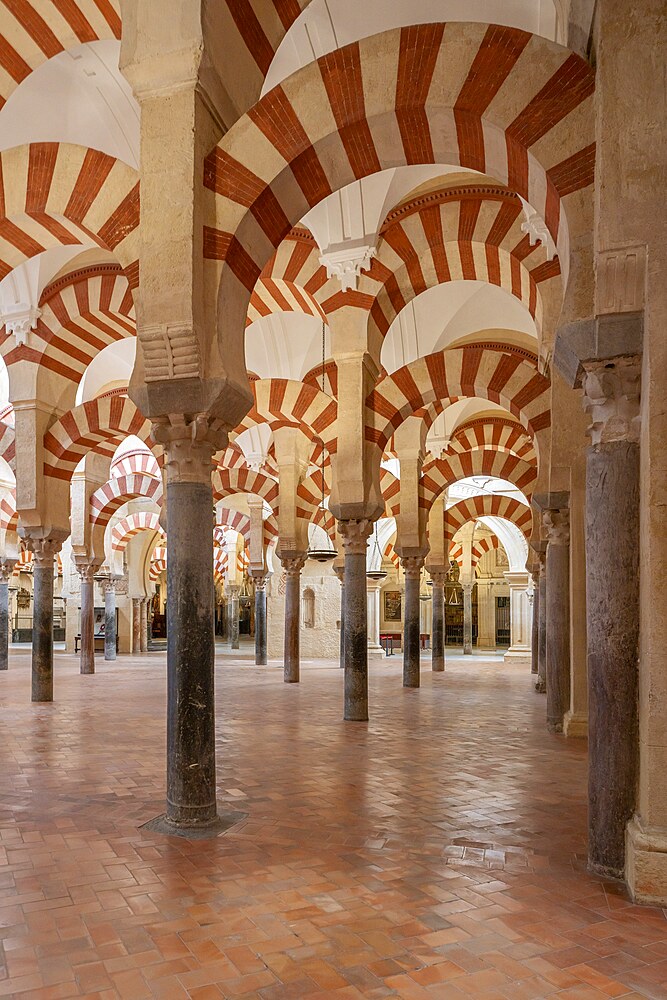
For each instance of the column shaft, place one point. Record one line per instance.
(355, 639)
(42, 629)
(541, 682)
(87, 663)
(4, 624)
(411, 664)
(535, 628)
(558, 620)
(438, 628)
(110, 622)
(136, 624)
(292, 624)
(342, 624)
(233, 620)
(260, 625)
(143, 610)
(612, 601)
(190, 656)
(467, 618)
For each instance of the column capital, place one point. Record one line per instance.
(189, 444)
(108, 585)
(412, 566)
(439, 576)
(293, 563)
(612, 397)
(355, 535)
(260, 579)
(557, 525)
(340, 573)
(86, 569)
(467, 587)
(43, 549)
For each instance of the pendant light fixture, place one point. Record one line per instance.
(376, 557)
(323, 555)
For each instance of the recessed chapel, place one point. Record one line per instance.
(333, 471)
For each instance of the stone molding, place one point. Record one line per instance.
(612, 397)
(189, 445)
(557, 526)
(355, 535)
(170, 351)
(620, 279)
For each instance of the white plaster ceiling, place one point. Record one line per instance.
(511, 539)
(22, 288)
(131, 443)
(446, 313)
(454, 416)
(78, 96)
(284, 345)
(475, 486)
(109, 369)
(326, 25)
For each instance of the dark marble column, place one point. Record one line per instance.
(292, 565)
(109, 619)
(191, 786)
(340, 573)
(412, 567)
(44, 550)
(611, 394)
(233, 616)
(260, 621)
(5, 627)
(355, 619)
(136, 624)
(438, 620)
(535, 627)
(467, 618)
(557, 524)
(541, 680)
(87, 576)
(144, 624)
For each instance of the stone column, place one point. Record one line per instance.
(233, 616)
(541, 682)
(467, 617)
(191, 789)
(44, 550)
(355, 539)
(143, 637)
(557, 524)
(438, 624)
(109, 587)
(136, 625)
(340, 573)
(519, 618)
(611, 394)
(412, 567)
(373, 610)
(292, 566)
(260, 621)
(535, 631)
(5, 576)
(486, 615)
(87, 660)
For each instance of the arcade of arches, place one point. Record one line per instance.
(333, 333)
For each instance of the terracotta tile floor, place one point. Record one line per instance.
(436, 853)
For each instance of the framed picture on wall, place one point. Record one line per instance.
(392, 605)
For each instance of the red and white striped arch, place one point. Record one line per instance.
(34, 31)
(487, 506)
(77, 322)
(278, 296)
(8, 443)
(99, 426)
(503, 376)
(136, 461)
(391, 492)
(56, 194)
(283, 402)
(468, 235)
(227, 482)
(441, 473)
(493, 434)
(158, 564)
(130, 526)
(479, 549)
(490, 98)
(106, 500)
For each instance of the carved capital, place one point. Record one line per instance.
(557, 526)
(412, 566)
(355, 535)
(6, 571)
(611, 396)
(293, 563)
(43, 550)
(189, 445)
(108, 586)
(439, 576)
(86, 570)
(340, 573)
(260, 579)
(467, 589)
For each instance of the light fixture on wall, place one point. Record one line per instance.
(376, 557)
(328, 553)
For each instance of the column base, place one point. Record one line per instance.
(204, 831)
(518, 654)
(575, 725)
(375, 653)
(646, 863)
(540, 685)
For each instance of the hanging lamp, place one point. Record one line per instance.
(376, 556)
(323, 555)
